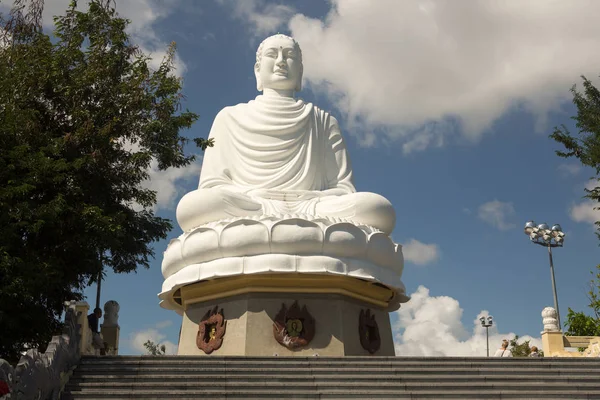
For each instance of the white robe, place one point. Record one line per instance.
(280, 144)
(279, 156)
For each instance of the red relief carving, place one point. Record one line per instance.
(4, 388)
(368, 331)
(293, 327)
(211, 330)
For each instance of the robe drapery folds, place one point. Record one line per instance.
(279, 144)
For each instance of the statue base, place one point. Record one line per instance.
(286, 315)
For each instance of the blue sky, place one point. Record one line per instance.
(446, 111)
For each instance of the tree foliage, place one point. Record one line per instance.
(82, 116)
(585, 145)
(521, 349)
(581, 324)
(155, 349)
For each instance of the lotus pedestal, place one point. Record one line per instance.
(285, 285)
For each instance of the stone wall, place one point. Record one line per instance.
(44, 375)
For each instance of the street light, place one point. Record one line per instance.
(486, 323)
(547, 237)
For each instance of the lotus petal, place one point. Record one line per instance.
(381, 250)
(245, 238)
(345, 240)
(201, 245)
(296, 236)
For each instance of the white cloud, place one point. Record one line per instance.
(164, 324)
(138, 338)
(168, 183)
(405, 65)
(585, 211)
(263, 18)
(431, 326)
(420, 253)
(497, 214)
(143, 14)
(569, 169)
(592, 184)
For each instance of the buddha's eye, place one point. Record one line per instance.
(271, 54)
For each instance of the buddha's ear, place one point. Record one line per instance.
(299, 86)
(259, 85)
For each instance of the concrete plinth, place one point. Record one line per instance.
(82, 309)
(110, 334)
(250, 317)
(552, 342)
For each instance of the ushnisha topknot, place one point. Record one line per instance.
(262, 44)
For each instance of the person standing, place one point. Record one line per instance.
(534, 352)
(503, 350)
(94, 322)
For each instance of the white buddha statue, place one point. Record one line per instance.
(278, 155)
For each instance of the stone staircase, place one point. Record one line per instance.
(186, 377)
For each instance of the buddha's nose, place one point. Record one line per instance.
(280, 60)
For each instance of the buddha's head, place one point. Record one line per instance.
(278, 64)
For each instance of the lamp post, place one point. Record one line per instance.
(547, 237)
(486, 323)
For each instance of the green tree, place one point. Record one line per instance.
(520, 349)
(82, 116)
(581, 324)
(155, 349)
(585, 145)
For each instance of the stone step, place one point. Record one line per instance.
(346, 359)
(190, 371)
(348, 385)
(336, 394)
(528, 363)
(266, 375)
(333, 378)
(530, 377)
(328, 360)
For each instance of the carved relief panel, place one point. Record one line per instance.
(368, 331)
(294, 327)
(211, 330)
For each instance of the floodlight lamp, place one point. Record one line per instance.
(533, 236)
(556, 228)
(529, 226)
(542, 227)
(546, 237)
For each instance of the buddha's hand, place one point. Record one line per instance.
(283, 195)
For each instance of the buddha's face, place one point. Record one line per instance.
(280, 66)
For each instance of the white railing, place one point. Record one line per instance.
(42, 376)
